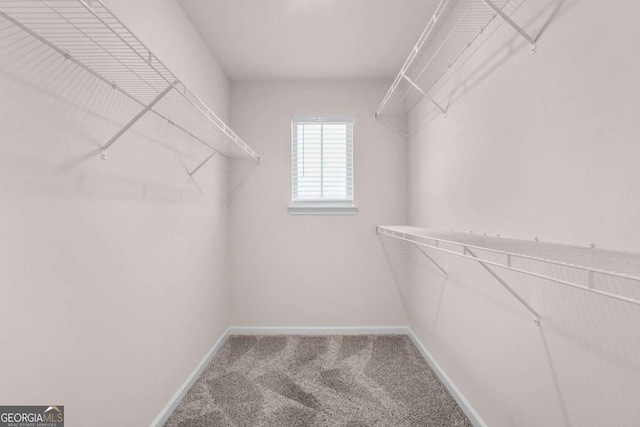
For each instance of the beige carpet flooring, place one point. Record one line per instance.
(318, 381)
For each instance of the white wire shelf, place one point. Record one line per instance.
(608, 273)
(88, 34)
(450, 32)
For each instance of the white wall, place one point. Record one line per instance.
(113, 276)
(534, 145)
(314, 270)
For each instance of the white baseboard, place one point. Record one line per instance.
(444, 379)
(191, 380)
(319, 330)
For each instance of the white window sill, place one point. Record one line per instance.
(323, 210)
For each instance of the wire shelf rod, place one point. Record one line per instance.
(533, 258)
(423, 37)
(390, 231)
(89, 37)
(100, 77)
(464, 47)
(453, 28)
(433, 57)
(87, 33)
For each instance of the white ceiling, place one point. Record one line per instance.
(309, 39)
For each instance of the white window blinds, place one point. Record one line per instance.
(322, 161)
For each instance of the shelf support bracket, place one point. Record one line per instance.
(510, 21)
(423, 93)
(536, 316)
(136, 118)
(431, 259)
(202, 164)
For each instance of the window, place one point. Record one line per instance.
(322, 165)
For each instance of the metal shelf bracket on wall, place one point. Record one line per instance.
(423, 93)
(510, 21)
(197, 168)
(432, 260)
(536, 316)
(138, 116)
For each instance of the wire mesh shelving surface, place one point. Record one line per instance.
(451, 30)
(614, 274)
(87, 33)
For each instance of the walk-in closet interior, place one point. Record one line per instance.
(290, 213)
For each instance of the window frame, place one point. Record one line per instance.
(323, 206)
